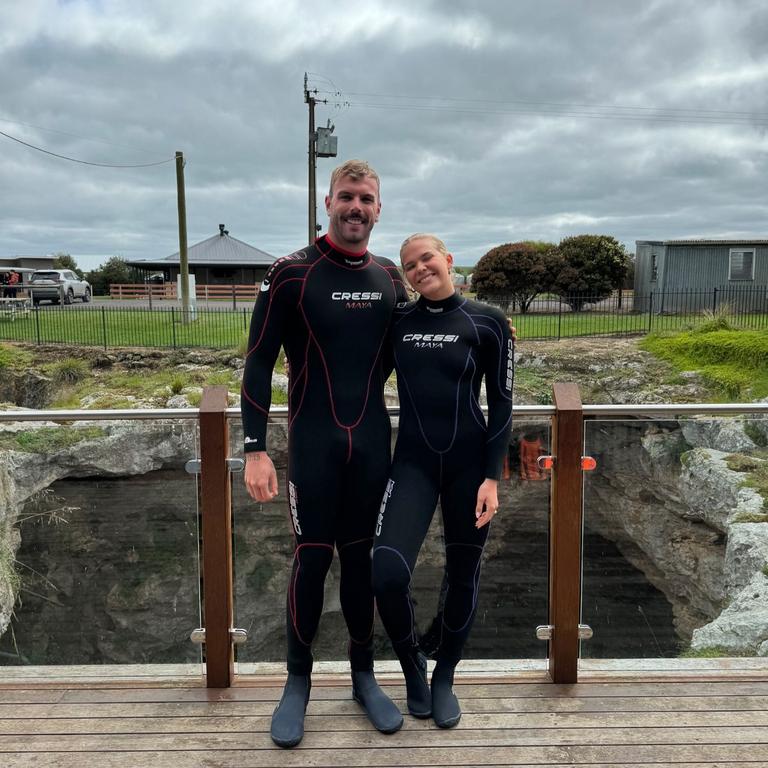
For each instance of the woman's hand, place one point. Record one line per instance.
(487, 502)
(260, 476)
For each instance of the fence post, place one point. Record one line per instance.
(650, 311)
(173, 326)
(714, 301)
(565, 533)
(215, 505)
(104, 326)
(234, 297)
(559, 315)
(37, 323)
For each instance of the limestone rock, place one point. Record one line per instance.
(743, 626)
(745, 554)
(721, 434)
(713, 492)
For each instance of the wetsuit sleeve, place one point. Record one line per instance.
(266, 335)
(401, 297)
(498, 356)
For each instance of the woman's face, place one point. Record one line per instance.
(427, 269)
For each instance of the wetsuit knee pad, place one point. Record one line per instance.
(391, 574)
(313, 561)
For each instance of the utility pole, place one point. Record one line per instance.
(321, 144)
(183, 261)
(312, 155)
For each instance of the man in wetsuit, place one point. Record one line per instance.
(329, 305)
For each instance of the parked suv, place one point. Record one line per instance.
(58, 284)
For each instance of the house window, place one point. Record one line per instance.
(654, 268)
(741, 264)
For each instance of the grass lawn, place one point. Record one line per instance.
(128, 327)
(124, 327)
(734, 361)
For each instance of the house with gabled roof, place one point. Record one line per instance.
(218, 260)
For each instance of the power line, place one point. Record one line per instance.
(563, 105)
(85, 162)
(673, 119)
(555, 109)
(73, 135)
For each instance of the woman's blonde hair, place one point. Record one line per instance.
(434, 239)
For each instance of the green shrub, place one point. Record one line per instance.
(70, 370)
(49, 439)
(177, 384)
(738, 462)
(13, 357)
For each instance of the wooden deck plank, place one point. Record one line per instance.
(342, 707)
(405, 740)
(705, 724)
(697, 755)
(358, 722)
(335, 693)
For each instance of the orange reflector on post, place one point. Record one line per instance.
(588, 463)
(546, 462)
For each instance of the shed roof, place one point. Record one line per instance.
(720, 241)
(220, 250)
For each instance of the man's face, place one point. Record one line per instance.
(352, 209)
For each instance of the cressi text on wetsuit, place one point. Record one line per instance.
(330, 310)
(445, 449)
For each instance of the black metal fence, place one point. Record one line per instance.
(547, 317)
(126, 326)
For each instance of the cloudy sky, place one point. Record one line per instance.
(489, 121)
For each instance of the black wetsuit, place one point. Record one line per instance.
(444, 449)
(330, 310)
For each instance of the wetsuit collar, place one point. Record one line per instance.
(442, 306)
(340, 255)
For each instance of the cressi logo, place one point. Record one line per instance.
(430, 340)
(383, 507)
(293, 502)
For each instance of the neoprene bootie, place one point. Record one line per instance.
(381, 710)
(446, 711)
(419, 697)
(287, 728)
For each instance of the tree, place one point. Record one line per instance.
(588, 268)
(114, 270)
(516, 271)
(65, 261)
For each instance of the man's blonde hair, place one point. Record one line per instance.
(356, 170)
(434, 239)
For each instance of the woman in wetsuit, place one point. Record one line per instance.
(443, 346)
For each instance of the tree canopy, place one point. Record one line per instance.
(114, 270)
(515, 271)
(588, 268)
(65, 261)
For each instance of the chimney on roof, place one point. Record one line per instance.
(223, 231)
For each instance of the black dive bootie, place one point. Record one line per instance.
(380, 709)
(287, 728)
(446, 711)
(414, 665)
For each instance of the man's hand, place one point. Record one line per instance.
(487, 502)
(512, 330)
(260, 476)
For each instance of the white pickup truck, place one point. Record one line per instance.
(57, 285)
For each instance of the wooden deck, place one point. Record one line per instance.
(607, 720)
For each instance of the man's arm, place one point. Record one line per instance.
(265, 338)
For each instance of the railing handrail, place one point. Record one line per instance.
(595, 410)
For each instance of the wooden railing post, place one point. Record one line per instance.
(215, 503)
(565, 534)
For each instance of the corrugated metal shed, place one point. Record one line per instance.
(695, 273)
